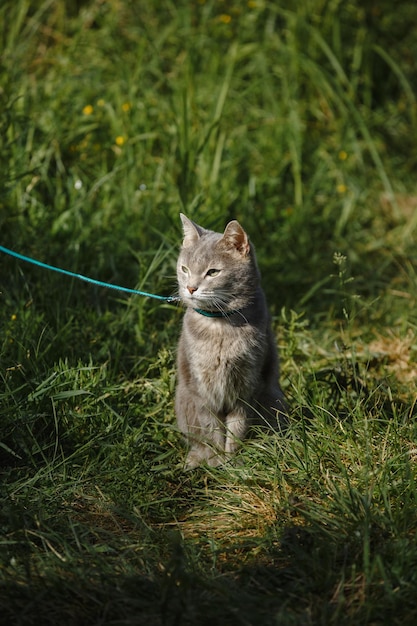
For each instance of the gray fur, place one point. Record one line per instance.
(227, 367)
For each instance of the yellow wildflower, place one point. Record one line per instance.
(343, 155)
(341, 188)
(88, 109)
(225, 18)
(126, 106)
(120, 140)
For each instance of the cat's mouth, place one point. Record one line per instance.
(197, 298)
(200, 300)
(209, 304)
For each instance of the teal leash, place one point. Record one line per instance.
(99, 283)
(93, 281)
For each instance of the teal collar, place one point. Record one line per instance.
(216, 313)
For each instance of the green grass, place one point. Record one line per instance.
(299, 119)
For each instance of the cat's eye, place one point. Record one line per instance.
(213, 272)
(184, 269)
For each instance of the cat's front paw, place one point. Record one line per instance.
(215, 460)
(193, 460)
(201, 456)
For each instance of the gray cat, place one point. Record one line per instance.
(227, 360)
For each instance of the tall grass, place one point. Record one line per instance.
(299, 119)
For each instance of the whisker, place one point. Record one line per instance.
(218, 304)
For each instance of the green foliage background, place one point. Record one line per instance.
(298, 119)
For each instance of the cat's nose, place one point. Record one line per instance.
(192, 289)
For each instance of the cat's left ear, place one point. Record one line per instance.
(235, 237)
(192, 232)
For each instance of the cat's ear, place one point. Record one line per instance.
(192, 232)
(235, 238)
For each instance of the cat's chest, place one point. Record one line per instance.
(223, 364)
(220, 354)
(218, 345)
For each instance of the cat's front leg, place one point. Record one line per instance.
(236, 428)
(204, 431)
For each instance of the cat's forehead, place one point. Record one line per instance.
(204, 251)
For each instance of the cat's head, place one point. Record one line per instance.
(216, 271)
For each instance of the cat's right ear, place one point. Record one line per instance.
(192, 232)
